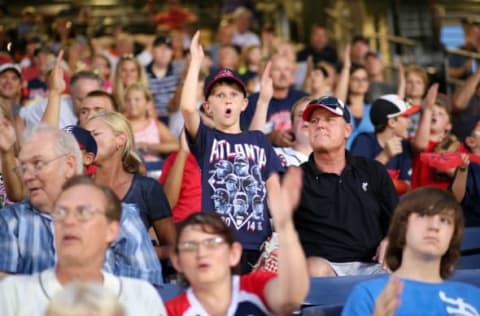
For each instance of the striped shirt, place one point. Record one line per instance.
(163, 88)
(27, 244)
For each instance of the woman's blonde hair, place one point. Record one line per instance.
(118, 87)
(84, 299)
(119, 124)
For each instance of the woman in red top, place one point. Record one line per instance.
(206, 254)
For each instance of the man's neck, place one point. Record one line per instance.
(331, 162)
(377, 77)
(159, 70)
(90, 272)
(419, 269)
(384, 136)
(281, 93)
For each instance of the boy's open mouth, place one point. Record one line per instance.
(228, 111)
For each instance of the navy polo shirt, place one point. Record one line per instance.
(344, 217)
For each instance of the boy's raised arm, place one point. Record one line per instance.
(188, 97)
(422, 136)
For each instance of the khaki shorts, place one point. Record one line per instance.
(356, 268)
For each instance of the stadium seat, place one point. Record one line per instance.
(470, 258)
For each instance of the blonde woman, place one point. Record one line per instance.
(118, 167)
(127, 72)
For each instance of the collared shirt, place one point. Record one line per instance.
(33, 113)
(344, 217)
(27, 244)
(40, 288)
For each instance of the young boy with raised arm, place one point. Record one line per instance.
(224, 152)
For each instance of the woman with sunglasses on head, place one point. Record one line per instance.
(206, 255)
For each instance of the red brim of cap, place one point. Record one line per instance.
(312, 107)
(226, 79)
(411, 110)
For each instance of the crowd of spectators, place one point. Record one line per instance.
(187, 161)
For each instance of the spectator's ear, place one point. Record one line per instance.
(88, 159)
(235, 254)
(113, 231)
(244, 104)
(207, 109)
(175, 262)
(391, 122)
(71, 165)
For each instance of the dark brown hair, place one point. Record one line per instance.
(426, 201)
(210, 223)
(113, 208)
(104, 94)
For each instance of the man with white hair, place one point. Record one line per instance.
(48, 158)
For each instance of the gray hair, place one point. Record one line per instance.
(64, 143)
(84, 299)
(85, 75)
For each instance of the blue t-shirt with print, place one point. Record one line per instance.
(365, 125)
(366, 145)
(234, 169)
(417, 298)
(278, 113)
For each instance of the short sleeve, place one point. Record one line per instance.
(273, 165)
(197, 145)
(359, 302)
(8, 242)
(362, 146)
(255, 282)
(157, 202)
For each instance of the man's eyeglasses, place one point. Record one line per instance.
(37, 165)
(81, 213)
(193, 246)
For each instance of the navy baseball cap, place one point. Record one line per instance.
(329, 103)
(84, 138)
(224, 75)
(162, 40)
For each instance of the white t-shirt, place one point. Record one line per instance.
(33, 113)
(245, 39)
(290, 157)
(30, 294)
